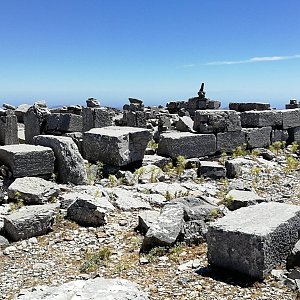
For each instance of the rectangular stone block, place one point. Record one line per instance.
(213, 121)
(246, 106)
(173, 144)
(228, 141)
(290, 118)
(258, 137)
(59, 122)
(96, 118)
(261, 118)
(294, 134)
(27, 160)
(253, 240)
(115, 145)
(279, 135)
(9, 130)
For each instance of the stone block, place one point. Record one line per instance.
(146, 219)
(213, 121)
(253, 240)
(96, 118)
(290, 118)
(166, 231)
(279, 135)
(9, 129)
(21, 111)
(33, 220)
(33, 190)
(156, 160)
(228, 141)
(258, 137)
(240, 199)
(261, 118)
(246, 106)
(69, 162)
(60, 122)
(115, 145)
(294, 134)
(173, 144)
(211, 169)
(27, 160)
(185, 124)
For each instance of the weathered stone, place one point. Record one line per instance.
(213, 104)
(167, 229)
(185, 124)
(96, 118)
(290, 118)
(293, 259)
(192, 163)
(35, 120)
(59, 122)
(21, 111)
(265, 153)
(147, 218)
(261, 118)
(255, 239)
(213, 121)
(194, 232)
(8, 106)
(91, 289)
(116, 145)
(164, 123)
(87, 211)
(150, 173)
(92, 102)
(211, 169)
(29, 221)
(9, 130)
(238, 199)
(33, 190)
(128, 200)
(27, 160)
(258, 137)
(174, 106)
(228, 141)
(69, 162)
(246, 106)
(279, 135)
(173, 144)
(3, 242)
(294, 134)
(233, 167)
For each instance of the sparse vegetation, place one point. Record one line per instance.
(240, 151)
(95, 259)
(277, 147)
(152, 145)
(112, 180)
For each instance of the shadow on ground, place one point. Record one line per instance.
(229, 277)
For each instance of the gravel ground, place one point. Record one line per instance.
(66, 253)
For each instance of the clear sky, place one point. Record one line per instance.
(65, 51)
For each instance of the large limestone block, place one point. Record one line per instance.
(9, 129)
(91, 289)
(290, 118)
(261, 118)
(255, 239)
(258, 137)
(115, 145)
(33, 190)
(69, 162)
(29, 221)
(27, 160)
(60, 122)
(173, 144)
(96, 117)
(246, 106)
(228, 141)
(213, 121)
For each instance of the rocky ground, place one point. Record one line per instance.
(72, 252)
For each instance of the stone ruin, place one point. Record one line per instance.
(37, 141)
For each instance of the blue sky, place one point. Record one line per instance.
(65, 51)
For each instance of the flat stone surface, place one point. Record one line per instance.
(228, 141)
(115, 145)
(211, 169)
(247, 106)
(29, 221)
(258, 137)
(156, 160)
(255, 239)
(92, 289)
(173, 144)
(261, 118)
(27, 160)
(33, 190)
